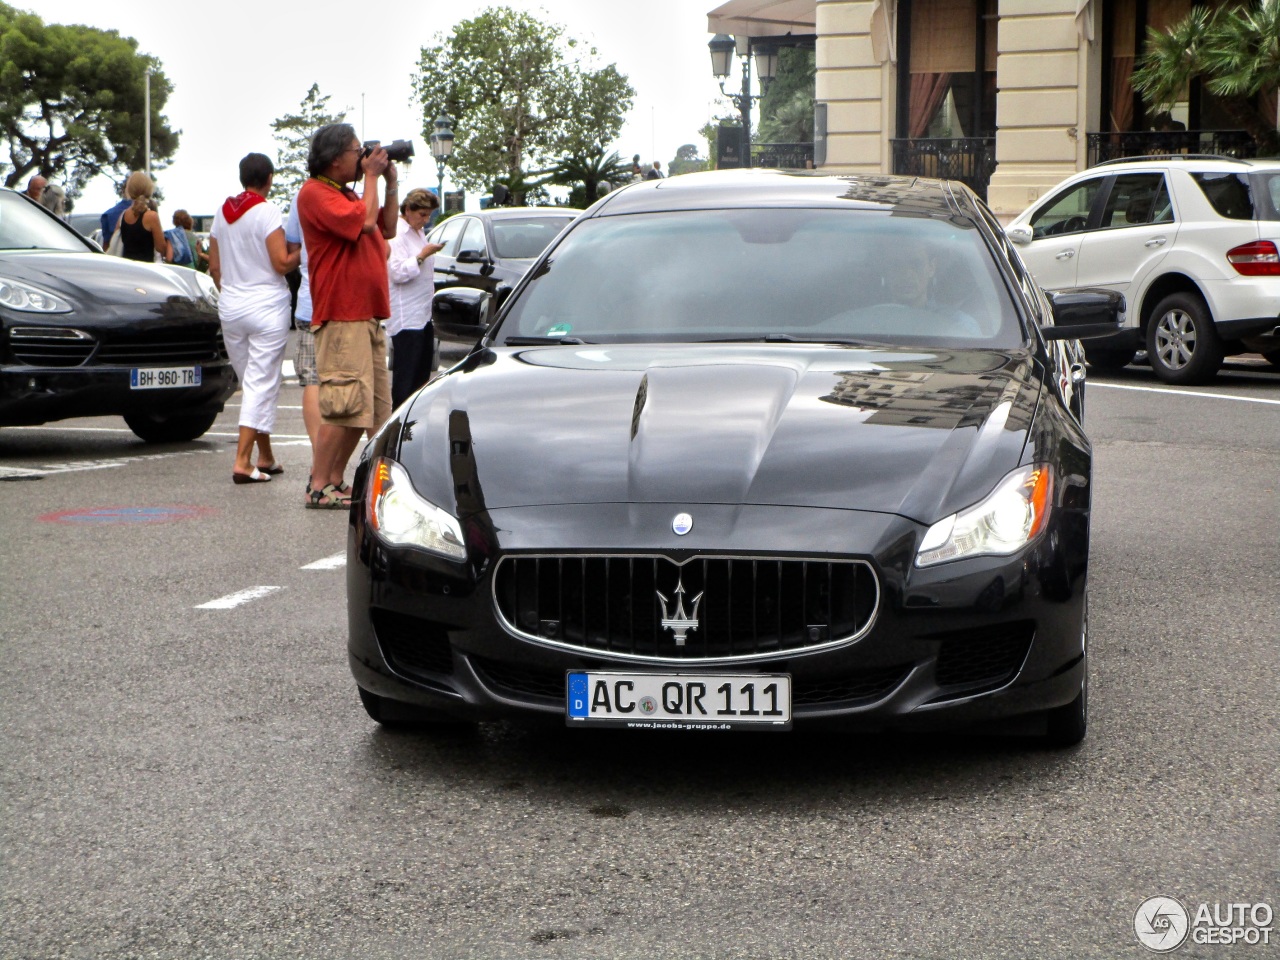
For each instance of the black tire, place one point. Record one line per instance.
(1182, 344)
(1272, 357)
(170, 428)
(1109, 359)
(397, 715)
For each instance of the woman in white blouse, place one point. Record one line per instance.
(411, 269)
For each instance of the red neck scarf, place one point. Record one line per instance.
(236, 207)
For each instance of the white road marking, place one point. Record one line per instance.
(1182, 393)
(236, 599)
(328, 563)
(233, 436)
(76, 466)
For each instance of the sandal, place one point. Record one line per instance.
(258, 476)
(274, 470)
(327, 498)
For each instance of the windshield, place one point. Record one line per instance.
(775, 273)
(24, 226)
(525, 238)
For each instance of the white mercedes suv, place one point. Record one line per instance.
(1193, 242)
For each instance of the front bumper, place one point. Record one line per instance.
(968, 641)
(32, 395)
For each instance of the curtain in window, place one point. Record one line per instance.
(944, 41)
(928, 90)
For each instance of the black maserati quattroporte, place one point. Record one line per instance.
(743, 450)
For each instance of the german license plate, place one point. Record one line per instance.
(675, 701)
(162, 378)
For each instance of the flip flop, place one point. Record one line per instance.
(274, 470)
(256, 477)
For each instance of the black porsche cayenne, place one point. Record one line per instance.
(84, 334)
(744, 450)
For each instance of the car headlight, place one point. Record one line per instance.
(1013, 515)
(398, 515)
(30, 299)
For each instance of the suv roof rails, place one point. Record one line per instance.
(1172, 156)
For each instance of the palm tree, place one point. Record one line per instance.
(589, 171)
(1235, 50)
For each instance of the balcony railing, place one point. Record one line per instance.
(782, 156)
(1140, 143)
(970, 160)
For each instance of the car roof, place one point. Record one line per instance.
(1192, 161)
(719, 189)
(505, 213)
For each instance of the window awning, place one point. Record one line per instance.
(764, 18)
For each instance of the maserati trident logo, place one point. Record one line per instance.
(679, 622)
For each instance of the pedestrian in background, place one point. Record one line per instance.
(54, 199)
(35, 187)
(182, 240)
(411, 271)
(346, 237)
(111, 218)
(248, 258)
(654, 172)
(141, 235)
(304, 356)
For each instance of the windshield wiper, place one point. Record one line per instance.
(541, 341)
(788, 338)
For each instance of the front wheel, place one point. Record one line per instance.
(1182, 343)
(170, 427)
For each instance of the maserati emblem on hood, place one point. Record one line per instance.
(677, 621)
(682, 523)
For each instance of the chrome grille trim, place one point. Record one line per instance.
(864, 581)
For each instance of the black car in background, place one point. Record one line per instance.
(86, 334)
(489, 250)
(746, 450)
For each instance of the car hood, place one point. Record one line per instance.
(904, 431)
(96, 278)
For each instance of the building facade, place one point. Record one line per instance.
(1010, 96)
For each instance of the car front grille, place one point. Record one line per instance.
(412, 646)
(193, 343)
(708, 609)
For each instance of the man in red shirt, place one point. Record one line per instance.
(346, 238)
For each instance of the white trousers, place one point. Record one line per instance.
(255, 343)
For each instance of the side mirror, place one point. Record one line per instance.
(472, 256)
(1022, 234)
(462, 311)
(1084, 313)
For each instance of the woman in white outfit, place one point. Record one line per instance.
(411, 272)
(248, 258)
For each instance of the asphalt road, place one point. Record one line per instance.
(189, 781)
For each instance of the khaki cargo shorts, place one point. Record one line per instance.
(351, 362)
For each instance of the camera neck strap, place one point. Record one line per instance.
(333, 183)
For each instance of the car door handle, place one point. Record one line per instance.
(1065, 255)
(1156, 242)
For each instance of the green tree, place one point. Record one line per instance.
(293, 133)
(585, 174)
(71, 102)
(1235, 51)
(686, 161)
(786, 111)
(519, 102)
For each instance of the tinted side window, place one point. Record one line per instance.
(1228, 193)
(474, 239)
(449, 233)
(1137, 198)
(1068, 212)
(1267, 193)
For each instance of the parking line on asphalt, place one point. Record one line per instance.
(328, 563)
(1182, 393)
(232, 600)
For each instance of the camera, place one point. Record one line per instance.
(398, 151)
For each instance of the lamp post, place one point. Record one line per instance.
(442, 150)
(723, 47)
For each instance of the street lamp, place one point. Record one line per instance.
(723, 47)
(442, 150)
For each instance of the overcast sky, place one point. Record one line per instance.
(235, 66)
